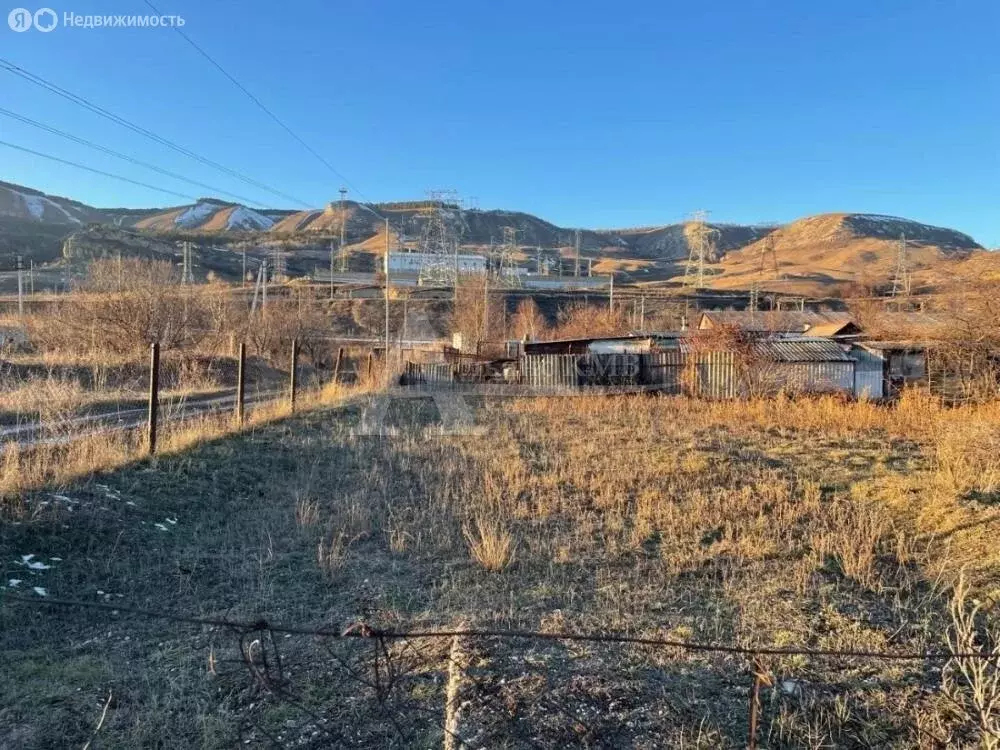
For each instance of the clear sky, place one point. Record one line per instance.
(584, 113)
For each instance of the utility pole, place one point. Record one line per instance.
(386, 360)
(343, 225)
(31, 276)
(576, 264)
(611, 295)
(20, 286)
(486, 306)
(243, 278)
(120, 280)
(263, 273)
(331, 270)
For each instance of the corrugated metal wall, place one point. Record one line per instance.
(815, 377)
(665, 370)
(714, 375)
(869, 378)
(550, 370)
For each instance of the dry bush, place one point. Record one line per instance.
(120, 308)
(583, 320)
(477, 315)
(972, 685)
(527, 322)
(490, 543)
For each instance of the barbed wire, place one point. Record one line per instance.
(362, 630)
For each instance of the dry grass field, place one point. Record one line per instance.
(816, 524)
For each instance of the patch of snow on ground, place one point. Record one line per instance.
(245, 218)
(39, 590)
(35, 205)
(196, 214)
(31, 564)
(14, 582)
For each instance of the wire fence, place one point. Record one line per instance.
(361, 686)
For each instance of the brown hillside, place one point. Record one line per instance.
(161, 222)
(819, 253)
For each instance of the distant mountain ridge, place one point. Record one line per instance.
(811, 252)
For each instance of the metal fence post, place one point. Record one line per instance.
(371, 357)
(154, 396)
(241, 384)
(293, 378)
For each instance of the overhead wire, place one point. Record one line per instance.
(124, 157)
(107, 114)
(68, 162)
(264, 108)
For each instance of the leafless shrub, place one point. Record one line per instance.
(973, 684)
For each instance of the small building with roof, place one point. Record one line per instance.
(783, 323)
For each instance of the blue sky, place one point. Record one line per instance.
(587, 114)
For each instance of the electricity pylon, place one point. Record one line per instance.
(901, 278)
(702, 239)
(766, 248)
(439, 266)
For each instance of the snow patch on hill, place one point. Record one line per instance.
(196, 214)
(36, 205)
(245, 218)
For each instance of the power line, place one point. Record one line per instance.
(98, 110)
(97, 171)
(125, 157)
(260, 104)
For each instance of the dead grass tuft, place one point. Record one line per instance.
(490, 543)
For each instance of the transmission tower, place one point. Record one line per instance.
(702, 239)
(439, 243)
(504, 259)
(766, 249)
(901, 278)
(279, 264)
(187, 270)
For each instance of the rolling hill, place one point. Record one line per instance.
(815, 255)
(819, 252)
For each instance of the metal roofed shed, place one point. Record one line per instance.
(782, 322)
(626, 344)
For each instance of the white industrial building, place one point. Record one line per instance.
(415, 263)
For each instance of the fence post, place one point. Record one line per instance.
(154, 396)
(757, 668)
(336, 367)
(371, 357)
(241, 384)
(292, 379)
